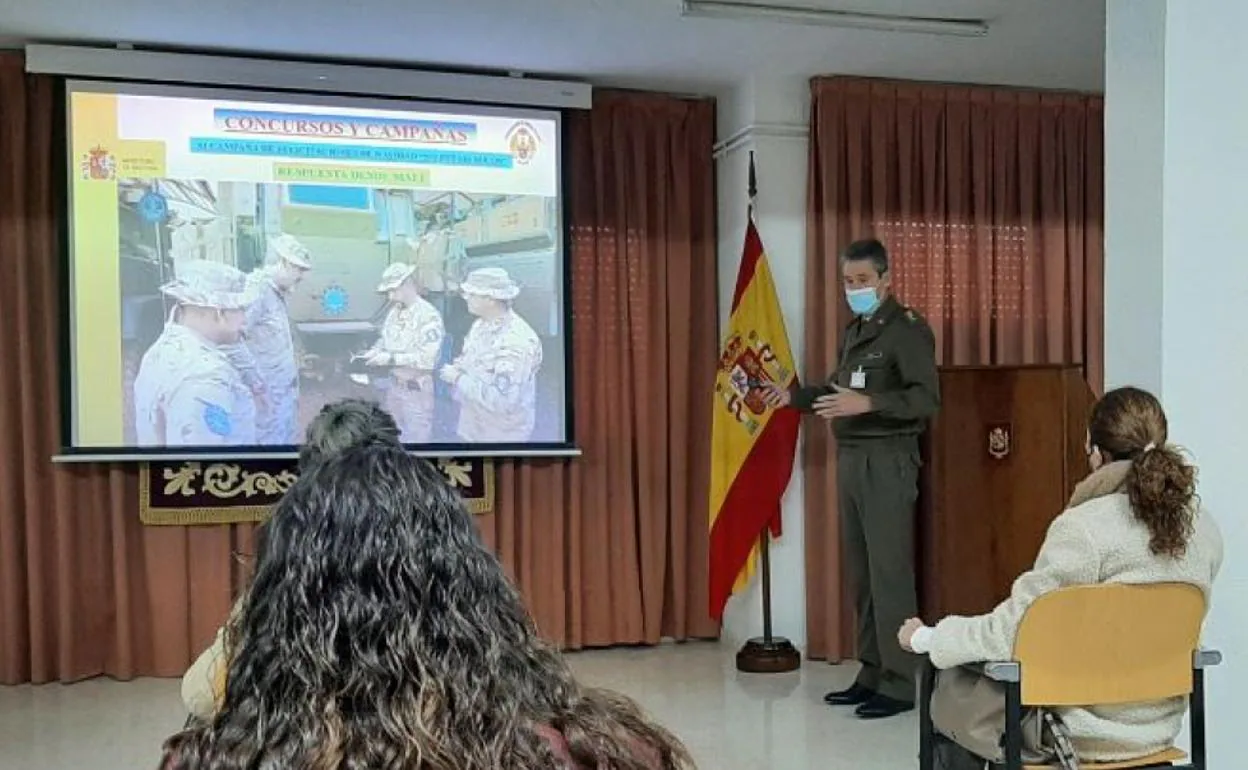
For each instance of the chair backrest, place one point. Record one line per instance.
(1109, 644)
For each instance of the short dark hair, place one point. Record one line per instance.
(343, 425)
(867, 249)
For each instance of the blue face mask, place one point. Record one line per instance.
(862, 301)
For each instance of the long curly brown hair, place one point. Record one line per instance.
(380, 634)
(1129, 424)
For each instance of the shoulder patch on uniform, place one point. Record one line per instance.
(217, 419)
(502, 381)
(433, 335)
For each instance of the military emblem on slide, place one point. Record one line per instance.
(523, 142)
(746, 364)
(999, 442)
(99, 165)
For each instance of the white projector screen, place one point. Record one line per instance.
(239, 260)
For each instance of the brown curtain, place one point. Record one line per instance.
(612, 548)
(84, 588)
(608, 549)
(990, 203)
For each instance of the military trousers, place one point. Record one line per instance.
(277, 417)
(411, 402)
(878, 482)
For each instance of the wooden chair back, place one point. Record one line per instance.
(1109, 644)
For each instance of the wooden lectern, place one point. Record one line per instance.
(1000, 461)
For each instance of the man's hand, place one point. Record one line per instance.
(906, 633)
(450, 374)
(775, 396)
(842, 402)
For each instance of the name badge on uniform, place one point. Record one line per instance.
(858, 379)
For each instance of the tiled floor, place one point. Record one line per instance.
(730, 721)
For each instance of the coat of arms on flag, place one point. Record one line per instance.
(745, 365)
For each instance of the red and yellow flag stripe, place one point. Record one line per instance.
(752, 444)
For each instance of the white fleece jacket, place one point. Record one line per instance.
(1097, 539)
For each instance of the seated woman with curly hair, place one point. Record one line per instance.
(380, 634)
(339, 426)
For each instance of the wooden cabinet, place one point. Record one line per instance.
(1001, 459)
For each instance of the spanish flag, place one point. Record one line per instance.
(752, 445)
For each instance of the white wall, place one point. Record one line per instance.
(1205, 279)
(1134, 161)
(1201, 353)
(774, 115)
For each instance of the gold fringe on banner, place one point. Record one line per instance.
(195, 493)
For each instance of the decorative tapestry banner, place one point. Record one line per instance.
(187, 493)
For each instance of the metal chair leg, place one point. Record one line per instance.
(1013, 726)
(1197, 707)
(927, 733)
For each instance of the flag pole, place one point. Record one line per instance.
(767, 654)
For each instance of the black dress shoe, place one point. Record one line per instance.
(883, 707)
(855, 695)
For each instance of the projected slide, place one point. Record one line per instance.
(237, 262)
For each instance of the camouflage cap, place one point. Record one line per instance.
(203, 283)
(289, 249)
(394, 276)
(492, 282)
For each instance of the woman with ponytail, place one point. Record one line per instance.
(1135, 519)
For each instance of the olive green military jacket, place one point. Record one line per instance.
(891, 357)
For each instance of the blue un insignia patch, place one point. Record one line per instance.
(502, 381)
(217, 419)
(153, 207)
(334, 301)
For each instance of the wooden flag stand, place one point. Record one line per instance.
(767, 654)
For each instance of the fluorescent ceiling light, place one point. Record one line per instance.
(790, 14)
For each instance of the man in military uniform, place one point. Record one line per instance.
(410, 343)
(438, 256)
(267, 359)
(494, 379)
(878, 400)
(188, 392)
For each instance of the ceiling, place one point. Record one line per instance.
(633, 43)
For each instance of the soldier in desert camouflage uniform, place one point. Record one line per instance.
(411, 340)
(267, 358)
(438, 256)
(188, 392)
(494, 379)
